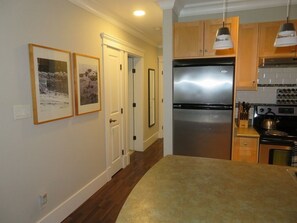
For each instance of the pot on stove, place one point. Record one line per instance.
(269, 123)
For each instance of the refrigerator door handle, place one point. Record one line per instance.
(202, 107)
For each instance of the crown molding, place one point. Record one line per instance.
(91, 7)
(214, 7)
(166, 4)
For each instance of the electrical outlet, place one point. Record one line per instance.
(42, 200)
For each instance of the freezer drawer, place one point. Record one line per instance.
(204, 133)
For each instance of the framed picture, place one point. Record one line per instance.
(87, 84)
(50, 83)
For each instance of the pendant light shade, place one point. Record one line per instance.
(223, 38)
(286, 35)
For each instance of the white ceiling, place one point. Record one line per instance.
(148, 28)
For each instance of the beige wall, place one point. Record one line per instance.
(59, 157)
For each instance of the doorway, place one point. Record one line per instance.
(135, 103)
(122, 87)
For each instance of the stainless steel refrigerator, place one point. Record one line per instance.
(203, 107)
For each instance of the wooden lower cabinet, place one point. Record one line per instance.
(246, 149)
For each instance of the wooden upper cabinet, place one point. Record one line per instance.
(247, 57)
(267, 34)
(188, 39)
(210, 31)
(195, 39)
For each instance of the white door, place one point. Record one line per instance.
(114, 108)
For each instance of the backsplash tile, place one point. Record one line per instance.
(279, 76)
(269, 81)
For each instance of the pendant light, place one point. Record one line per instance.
(223, 38)
(287, 34)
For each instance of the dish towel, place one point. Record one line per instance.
(294, 155)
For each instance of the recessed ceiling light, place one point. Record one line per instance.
(139, 13)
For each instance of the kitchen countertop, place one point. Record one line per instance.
(246, 132)
(194, 189)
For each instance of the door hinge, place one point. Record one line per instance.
(123, 152)
(133, 71)
(134, 137)
(134, 105)
(122, 110)
(121, 67)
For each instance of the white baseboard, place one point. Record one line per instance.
(77, 199)
(150, 140)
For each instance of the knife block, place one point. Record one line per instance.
(243, 123)
(243, 120)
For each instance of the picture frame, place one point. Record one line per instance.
(87, 83)
(51, 83)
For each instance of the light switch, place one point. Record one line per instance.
(21, 111)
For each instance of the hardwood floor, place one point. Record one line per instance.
(105, 205)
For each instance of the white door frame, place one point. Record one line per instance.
(161, 104)
(128, 49)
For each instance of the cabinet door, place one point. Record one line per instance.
(267, 34)
(245, 149)
(210, 30)
(247, 57)
(188, 39)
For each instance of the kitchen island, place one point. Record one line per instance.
(180, 189)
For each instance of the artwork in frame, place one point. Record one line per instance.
(50, 83)
(87, 84)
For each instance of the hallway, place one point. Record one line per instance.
(105, 205)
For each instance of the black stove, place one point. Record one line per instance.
(285, 117)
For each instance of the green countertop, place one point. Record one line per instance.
(181, 189)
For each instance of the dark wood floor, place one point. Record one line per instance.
(105, 205)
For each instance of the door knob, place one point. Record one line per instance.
(112, 120)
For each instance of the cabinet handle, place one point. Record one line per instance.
(205, 51)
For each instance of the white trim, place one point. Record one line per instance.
(151, 140)
(161, 96)
(119, 44)
(213, 7)
(73, 202)
(139, 109)
(130, 49)
(166, 4)
(92, 8)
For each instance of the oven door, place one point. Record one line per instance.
(275, 154)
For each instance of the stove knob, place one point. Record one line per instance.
(261, 110)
